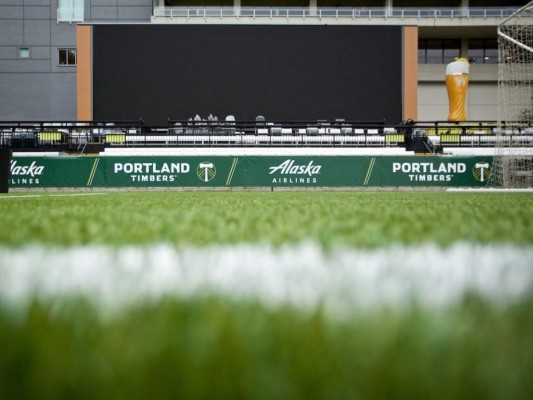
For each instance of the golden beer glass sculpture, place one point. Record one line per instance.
(457, 87)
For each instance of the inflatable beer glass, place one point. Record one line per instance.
(457, 86)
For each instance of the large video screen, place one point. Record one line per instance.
(284, 73)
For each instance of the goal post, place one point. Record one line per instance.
(513, 158)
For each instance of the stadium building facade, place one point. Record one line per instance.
(46, 48)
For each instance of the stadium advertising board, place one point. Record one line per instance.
(169, 171)
(252, 171)
(45, 172)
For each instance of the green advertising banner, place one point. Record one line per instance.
(165, 171)
(249, 171)
(429, 171)
(61, 171)
(306, 171)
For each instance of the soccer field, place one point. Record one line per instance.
(266, 295)
(355, 219)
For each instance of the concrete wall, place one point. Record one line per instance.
(38, 88)
(118, 10)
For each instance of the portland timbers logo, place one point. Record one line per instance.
(481, 171)
(206, 171)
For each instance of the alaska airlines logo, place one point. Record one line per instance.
(26, 170)
(289, 167)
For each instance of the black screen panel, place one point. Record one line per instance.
(286, 73)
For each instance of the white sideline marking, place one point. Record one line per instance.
(50, 195)
(304, 275)
(489, 190)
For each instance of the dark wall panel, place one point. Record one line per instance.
(286, 73)
(5, 166)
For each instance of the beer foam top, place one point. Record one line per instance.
(458, 67)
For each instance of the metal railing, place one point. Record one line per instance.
(340, 12)
(79, 137)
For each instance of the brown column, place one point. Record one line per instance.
(84, 73)
(410, 72)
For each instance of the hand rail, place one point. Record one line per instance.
(337, 12)
(73, 136)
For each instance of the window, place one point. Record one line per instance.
(24, 52)
(434, 52)
(438, 51)
(451, 50)
(483, 51)
(70, 10)
(67, 56)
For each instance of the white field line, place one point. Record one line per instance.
(51, 195)
(303, 275)
(490, 190)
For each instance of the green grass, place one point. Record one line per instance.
(218, 348)
(349, 218)
(214, 349)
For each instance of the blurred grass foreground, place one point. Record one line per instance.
(266, 296)
(216, 349)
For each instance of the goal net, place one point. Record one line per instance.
(513, 161)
